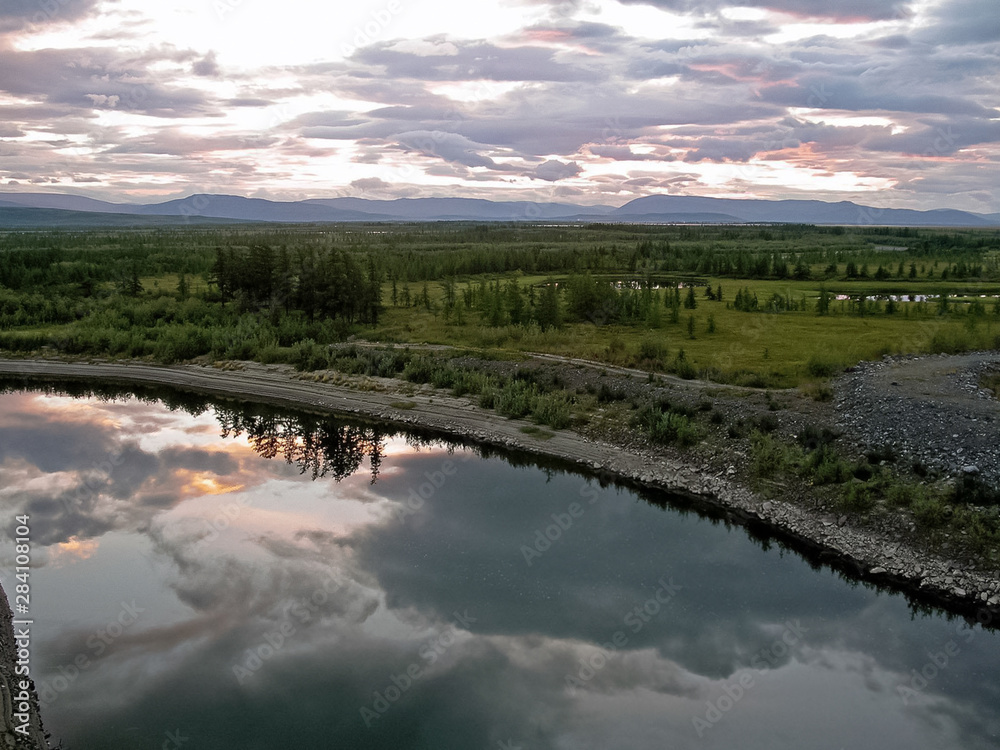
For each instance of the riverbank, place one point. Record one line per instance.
(881, 554)
(16, 692)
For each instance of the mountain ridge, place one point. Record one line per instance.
(654, 209)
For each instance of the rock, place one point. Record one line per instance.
(958, 592)
(971, 470)
(877, 571)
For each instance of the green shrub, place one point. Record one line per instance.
(859, 498)
(823, 366)
(306, 355)
(671, 427)
(652, 351)
(767, 455)
(420, 369)
(951, 341)
(930, 511)
(516, 399)
(553, 409)
(827, 467)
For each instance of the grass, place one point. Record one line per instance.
(784, 349)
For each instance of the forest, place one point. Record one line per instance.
(768, 305)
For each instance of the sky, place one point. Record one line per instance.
(891, 103)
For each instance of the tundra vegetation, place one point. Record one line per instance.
(770, 307)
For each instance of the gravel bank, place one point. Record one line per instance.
(929, 410)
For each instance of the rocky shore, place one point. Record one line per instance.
(880, 555)
(20, 723)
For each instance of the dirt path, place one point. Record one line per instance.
(559, 359)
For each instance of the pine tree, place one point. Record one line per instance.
(690, 302)
(547, 313)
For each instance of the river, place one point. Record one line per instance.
(217, 576)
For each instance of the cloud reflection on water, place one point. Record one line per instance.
(229, 554)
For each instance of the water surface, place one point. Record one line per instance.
(210, 577)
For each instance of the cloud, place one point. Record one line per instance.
(371, 184)
(451, 147)
(842, 10)
(479, 61)
(20, 15)
(554, 170)
(207, 66)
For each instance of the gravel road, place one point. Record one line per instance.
(929, 410)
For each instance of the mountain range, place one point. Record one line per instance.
(20, 210)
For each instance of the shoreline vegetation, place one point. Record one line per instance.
(768, 492)
(712, 347)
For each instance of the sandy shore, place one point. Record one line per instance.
(858, 552)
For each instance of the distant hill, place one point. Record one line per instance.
(16, 217)
(656, 209)
(419, 209)
(801, 212)
(65, 203)
(665, 218)
(256, 209)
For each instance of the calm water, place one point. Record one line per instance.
(197, 587)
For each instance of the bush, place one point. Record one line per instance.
(553, 409)
(767, 423)
(821, 366)
(768, 456)
(859, 498)
(652, 352)
(516, 399)
(930, 512)
(419, 369)
(972, 490)
(306, 356)
(671, 427)
(951, 341)
(684, 369)
(827, 467)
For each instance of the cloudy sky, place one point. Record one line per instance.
(888, 102)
